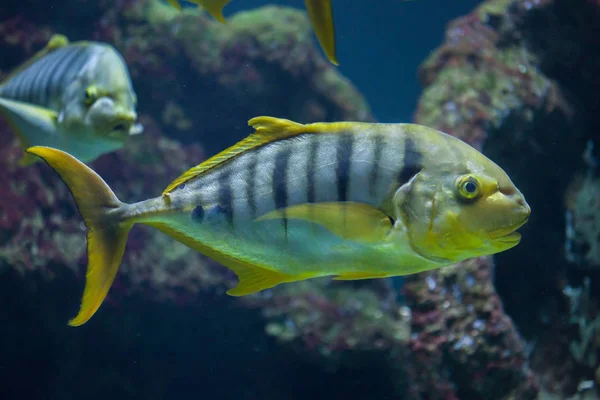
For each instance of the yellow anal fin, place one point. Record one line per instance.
(251, 278)
(267, 129)
(321, 17)
(355, 276)
(214, 8)
(353, 221)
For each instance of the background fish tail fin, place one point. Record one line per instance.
(107, 234)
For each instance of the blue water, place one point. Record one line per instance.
(380, 47)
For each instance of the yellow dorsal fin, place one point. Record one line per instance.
(56, 42)
(267, 129)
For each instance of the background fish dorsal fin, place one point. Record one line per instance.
(56, 42)
(267, 129)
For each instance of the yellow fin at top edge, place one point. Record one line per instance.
(321, 18)
(214, 8)
(353, 221)
(175, 4)
(267, 129)
(251, 278)
(56, 42)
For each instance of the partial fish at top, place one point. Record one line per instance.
(293, 202)
(319, 11)
(75, 97)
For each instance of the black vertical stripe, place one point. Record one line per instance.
(27, 89)
(17, 86)
(75, 66)
(44, 70)
(225, 196)
(412, 161)
(311, 169)
(250, 183)
(279, 182)
(343, 155)
(40, 72)
(65, 68)
(376, 162)
(64, 58)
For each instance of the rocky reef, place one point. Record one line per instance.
(514, 78)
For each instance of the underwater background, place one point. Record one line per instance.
(516, 79)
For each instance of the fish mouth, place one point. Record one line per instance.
(508, 235)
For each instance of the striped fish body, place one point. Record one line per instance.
(76, 97)
(293, 202)
(341, 167)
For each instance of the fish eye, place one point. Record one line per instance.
(91, 95)
(468, 187)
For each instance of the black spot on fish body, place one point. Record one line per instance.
(198, 214)
(182, 186)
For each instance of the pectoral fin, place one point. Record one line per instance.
(353, 221)
(32, 124)
(38, 126)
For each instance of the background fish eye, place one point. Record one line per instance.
(91, 94)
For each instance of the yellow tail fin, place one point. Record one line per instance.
(107, 233)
